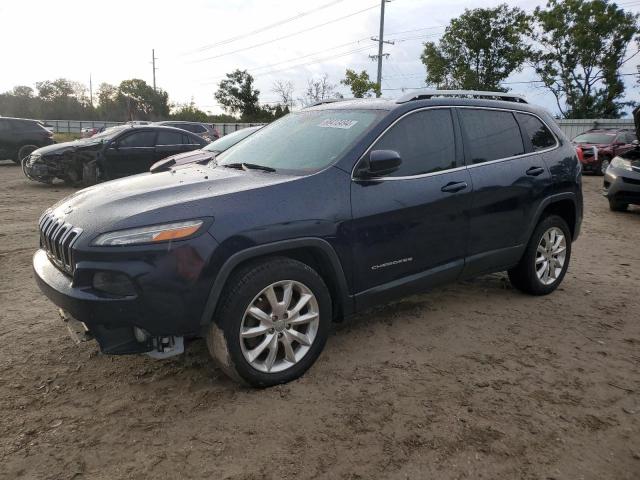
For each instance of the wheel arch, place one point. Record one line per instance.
(315, 252)
(564, 205)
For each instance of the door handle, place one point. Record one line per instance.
(535, 171)
(453, 187)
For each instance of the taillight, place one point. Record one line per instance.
(580, 154)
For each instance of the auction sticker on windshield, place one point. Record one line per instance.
(329, 123)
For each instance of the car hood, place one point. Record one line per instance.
(180, 194)
(62, 148)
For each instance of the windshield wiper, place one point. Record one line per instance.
(249, 166)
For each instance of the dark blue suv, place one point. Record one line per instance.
(319, 215)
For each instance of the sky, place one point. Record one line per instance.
(197, 42)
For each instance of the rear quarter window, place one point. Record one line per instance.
(490, 135)
(536, 132)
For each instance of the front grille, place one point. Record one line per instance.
(57, 238)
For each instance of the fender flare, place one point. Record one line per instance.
(550, 200)
(345, 300)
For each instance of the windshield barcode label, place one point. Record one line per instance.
(328, 123)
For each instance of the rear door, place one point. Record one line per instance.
(410, 227)
(509, 181)
(130, 153)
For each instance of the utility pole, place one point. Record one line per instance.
(90, 90)
(153, 62)
(381, 43)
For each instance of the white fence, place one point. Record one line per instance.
(571, 128)
(75, 126)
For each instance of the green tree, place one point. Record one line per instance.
(583, 44)
(22, 91)
(142, 101)
(478, 50)
(237, 95)
(360, 84)
(189, 112)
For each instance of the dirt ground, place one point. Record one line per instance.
(474, 380)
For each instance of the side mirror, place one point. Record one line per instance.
(382, 162)
(114, 145)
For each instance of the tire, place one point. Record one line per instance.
(616, 206)
(250, 359)
(525, 276)
(602, 167)
(23, 152)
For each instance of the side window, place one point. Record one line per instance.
(631, 137)
(199, 129)
(169, 138)
(490, 135)
(540, 136)
(424, 140)
(138, 139)
(189, 140)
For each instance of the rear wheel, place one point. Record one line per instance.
(617, 206)
(23, 152)
(273, 323)
(546, 258)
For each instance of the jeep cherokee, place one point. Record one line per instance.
(318, 215)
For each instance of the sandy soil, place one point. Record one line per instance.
(474, 380)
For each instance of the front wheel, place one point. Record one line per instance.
(616, 206)
(273, 323)
(546, 258)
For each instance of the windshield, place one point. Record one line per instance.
(229, 140)
(303, 142)
(595, 138)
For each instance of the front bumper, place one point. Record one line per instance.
(37, 169)
(622, 185)
(170, 288)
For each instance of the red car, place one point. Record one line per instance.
(600, 145)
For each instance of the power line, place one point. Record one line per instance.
(285, 36)
(265, 28)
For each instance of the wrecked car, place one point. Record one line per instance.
(208, 153)
(621, 184)
(117, 152)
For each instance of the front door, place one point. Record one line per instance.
(410, 227)
(130, 153)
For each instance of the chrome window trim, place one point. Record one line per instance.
(440, 172)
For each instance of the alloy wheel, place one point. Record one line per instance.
(279, 326)
(604, 165)
(551, 255)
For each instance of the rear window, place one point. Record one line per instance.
(595, 138)
(490, 135)
(537, 132)
(172, 138)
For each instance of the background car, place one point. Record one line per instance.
(600, 145)
(205, 130)
(207, 153)
(116, 152)
(621, 184)
(19, 137)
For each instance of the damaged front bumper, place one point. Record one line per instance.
(39, 169)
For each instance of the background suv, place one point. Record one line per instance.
(205, 130)
(321, 214)
(600, 145)
(19, 137)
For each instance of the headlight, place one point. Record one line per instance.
(152, 234)
(618, 162)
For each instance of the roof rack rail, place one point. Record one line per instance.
(327, 100)
(425, 94)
